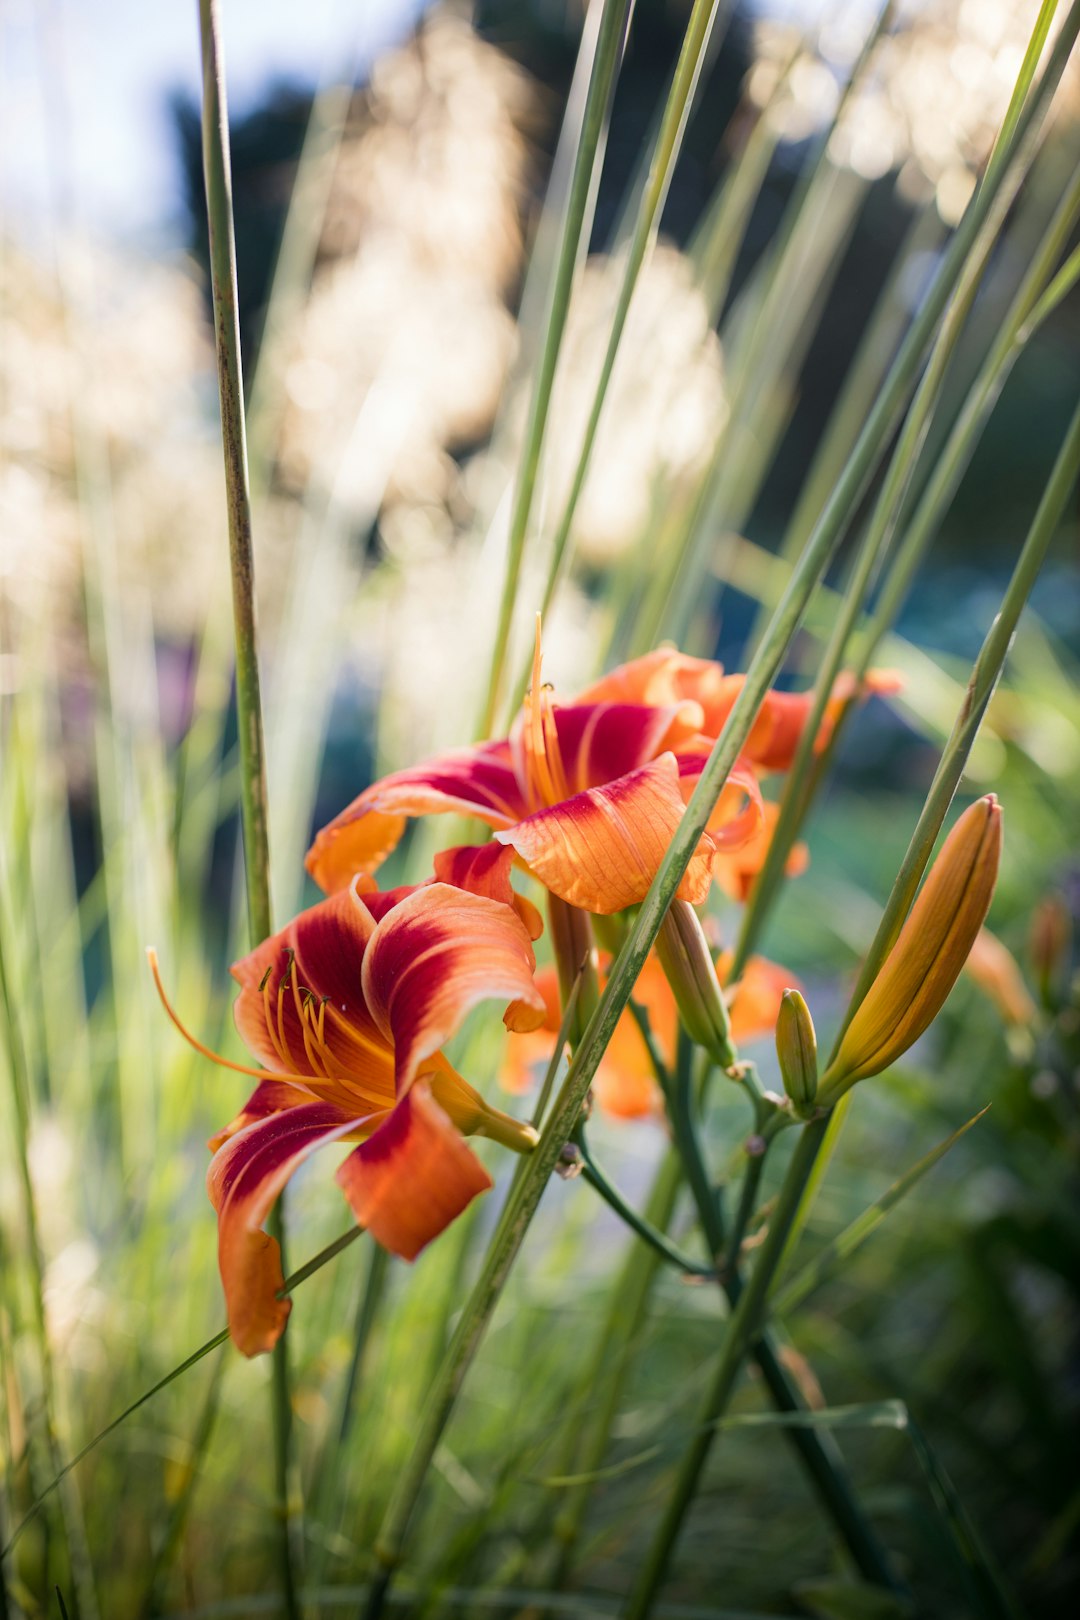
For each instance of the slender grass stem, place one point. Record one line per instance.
(984, 678)
(71, 1525)
(791, 284)
(861, 382)
(253, 790)
(367, 1311)
(218, 177)
(1029, 308)
(307, 1270)
(614, 23)
(593, 1412)
(806, 773)
(180, 1508)
(699, 30)
(580, 203)
(644, 1228)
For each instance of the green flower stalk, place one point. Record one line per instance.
(926, 960)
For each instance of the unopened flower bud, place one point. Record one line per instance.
(924, 964)
(796, 1048)
(1051, 940)
(996, 971)
(689, 968)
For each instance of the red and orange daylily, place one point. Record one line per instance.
(587, 794)
(667, 676)
(625, 1084)
(347, 1009)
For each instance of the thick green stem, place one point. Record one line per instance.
(253, 793)
(614, 22)
(741, 1331)
(586, 1435)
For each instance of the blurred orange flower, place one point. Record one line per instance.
(625, 1085)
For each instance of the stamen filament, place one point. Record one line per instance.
(268, 1019)
(205, 1051)
(546, 778)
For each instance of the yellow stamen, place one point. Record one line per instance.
(281, 1001)
(205, 1051)
(546, 777)
(328, 1089)
(269, 1020)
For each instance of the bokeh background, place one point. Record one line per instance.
(390, 164)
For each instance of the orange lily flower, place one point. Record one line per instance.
(588, 795)
(736, 869)
(666, 677)
(347, 1008)
(625, 1086)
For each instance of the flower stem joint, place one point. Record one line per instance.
(796, 1050)
(932, 947)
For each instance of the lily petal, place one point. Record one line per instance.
(599, 742)
(269, 1097)
(662, 677)
(471, 781)
(485, 869)
(244, 1179)
(739, 813)
(301, 1006)
(601, 849)
(413, 1176)
(736, 869)
(437, 955)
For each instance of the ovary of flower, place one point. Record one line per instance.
(933, 946)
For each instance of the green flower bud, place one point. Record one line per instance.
(796, 1048)
(691, 972)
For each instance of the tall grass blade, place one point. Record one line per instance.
(253, 790)
(700, 29)
(614, 22)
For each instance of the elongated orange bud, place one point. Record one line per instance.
(996, 971)
(933, 946)
(796, 1048)
(1051, 940)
